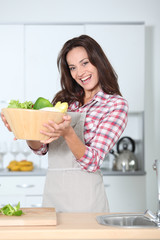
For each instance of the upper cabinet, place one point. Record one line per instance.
(11, 62)
(42, 46)
(29, 53)
(124, 46)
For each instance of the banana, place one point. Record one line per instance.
(59, 107)
(23, 165)
(26, 168)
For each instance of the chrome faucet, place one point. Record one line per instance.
(156, 166)
(156, 217)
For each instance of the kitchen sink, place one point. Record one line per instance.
(126, 220)
(132, 220)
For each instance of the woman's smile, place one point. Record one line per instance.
(86, 79)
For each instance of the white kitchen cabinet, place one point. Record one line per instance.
(29, 54)
(26, 189)
(12, 199)
(34, 201)
(124, 46)
(126, 193)
(42, 46)
(12, 62)
(11, 68)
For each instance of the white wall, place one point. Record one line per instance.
(71, 11)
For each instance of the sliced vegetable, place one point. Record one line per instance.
(8, 210)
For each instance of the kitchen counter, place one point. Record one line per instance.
(34, 172)
(43, 172)
(77, 226)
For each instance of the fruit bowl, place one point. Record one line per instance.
(27, 123)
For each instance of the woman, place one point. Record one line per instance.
(97, 116)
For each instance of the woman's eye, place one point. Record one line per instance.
(85, 63)
(71, 68)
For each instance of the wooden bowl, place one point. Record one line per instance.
(27, 123)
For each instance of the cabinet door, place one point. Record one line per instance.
(126, 193)
(42, 45)
(11, 69)
(34, 201)
(124, 47)
(12, 199)
(11, 62)
(24, 185)
(28, 190)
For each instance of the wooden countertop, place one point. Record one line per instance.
(77, 226)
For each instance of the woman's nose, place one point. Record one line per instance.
(80, 71)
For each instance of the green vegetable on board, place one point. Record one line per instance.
(8, 210)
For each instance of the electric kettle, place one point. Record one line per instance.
(125, 159)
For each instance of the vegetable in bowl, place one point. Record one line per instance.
(40, 104)
(17, 104)
(28, 123)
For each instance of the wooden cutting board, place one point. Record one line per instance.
(31, 217)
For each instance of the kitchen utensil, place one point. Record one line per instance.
(125, 159)
(27, 123)
(31, 217)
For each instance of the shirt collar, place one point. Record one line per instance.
(98, 97)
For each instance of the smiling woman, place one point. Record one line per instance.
(96, 118)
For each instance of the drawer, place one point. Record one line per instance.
(22, 185)
(125, 193)
(34, 201)
(12, 199)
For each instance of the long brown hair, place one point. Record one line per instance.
(71, 90)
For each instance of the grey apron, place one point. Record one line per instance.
(68, 188)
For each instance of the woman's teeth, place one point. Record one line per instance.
(85, 78)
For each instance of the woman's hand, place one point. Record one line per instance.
(5, 122)
(54, 131)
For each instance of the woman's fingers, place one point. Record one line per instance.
(50, 134)
(49, 140)
(5, 122)
(54, 131)
(51, 126)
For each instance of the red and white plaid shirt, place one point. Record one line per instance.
(106, 119)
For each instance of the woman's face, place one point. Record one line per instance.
(82, 71)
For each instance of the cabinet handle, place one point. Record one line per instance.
(36, 205)
(25, 186)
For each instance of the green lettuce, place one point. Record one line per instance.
(17, 104)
